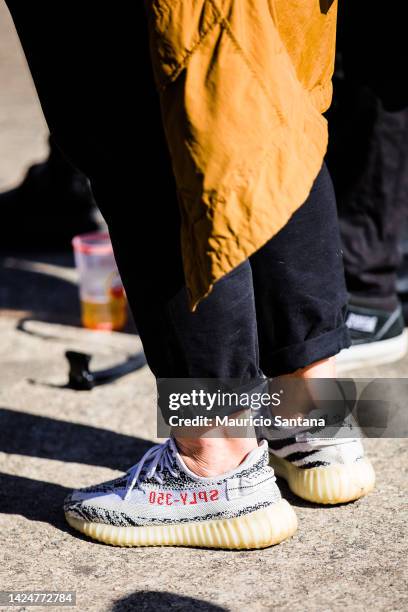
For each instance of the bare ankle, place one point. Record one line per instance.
(214, 456)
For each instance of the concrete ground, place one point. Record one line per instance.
(52, 438)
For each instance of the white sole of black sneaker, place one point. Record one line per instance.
(372, 353)
(259, 529)
(334, 484)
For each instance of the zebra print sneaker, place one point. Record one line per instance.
(159, 501)
(323, 470)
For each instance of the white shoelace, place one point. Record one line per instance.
(153, 463)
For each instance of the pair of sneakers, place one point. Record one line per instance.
(160, 501)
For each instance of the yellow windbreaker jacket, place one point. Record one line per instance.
(243, 84)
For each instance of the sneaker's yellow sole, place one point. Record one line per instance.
(258, 529)
(334, 484)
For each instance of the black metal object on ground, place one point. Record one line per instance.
(82, 379)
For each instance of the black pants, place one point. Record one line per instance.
(92, 71)
(368, 150)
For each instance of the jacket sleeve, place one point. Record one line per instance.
(245, 136)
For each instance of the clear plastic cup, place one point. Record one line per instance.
(103, 299)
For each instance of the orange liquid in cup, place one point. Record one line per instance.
(108, 316)
(102, 296)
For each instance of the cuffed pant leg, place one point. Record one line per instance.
(299, 285)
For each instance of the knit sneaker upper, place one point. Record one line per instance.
(160, 489)
(306, 452)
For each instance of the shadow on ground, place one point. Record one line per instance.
(45, 500)
(36, 284)
(156, 600)
(37, 500)
(37, 436)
